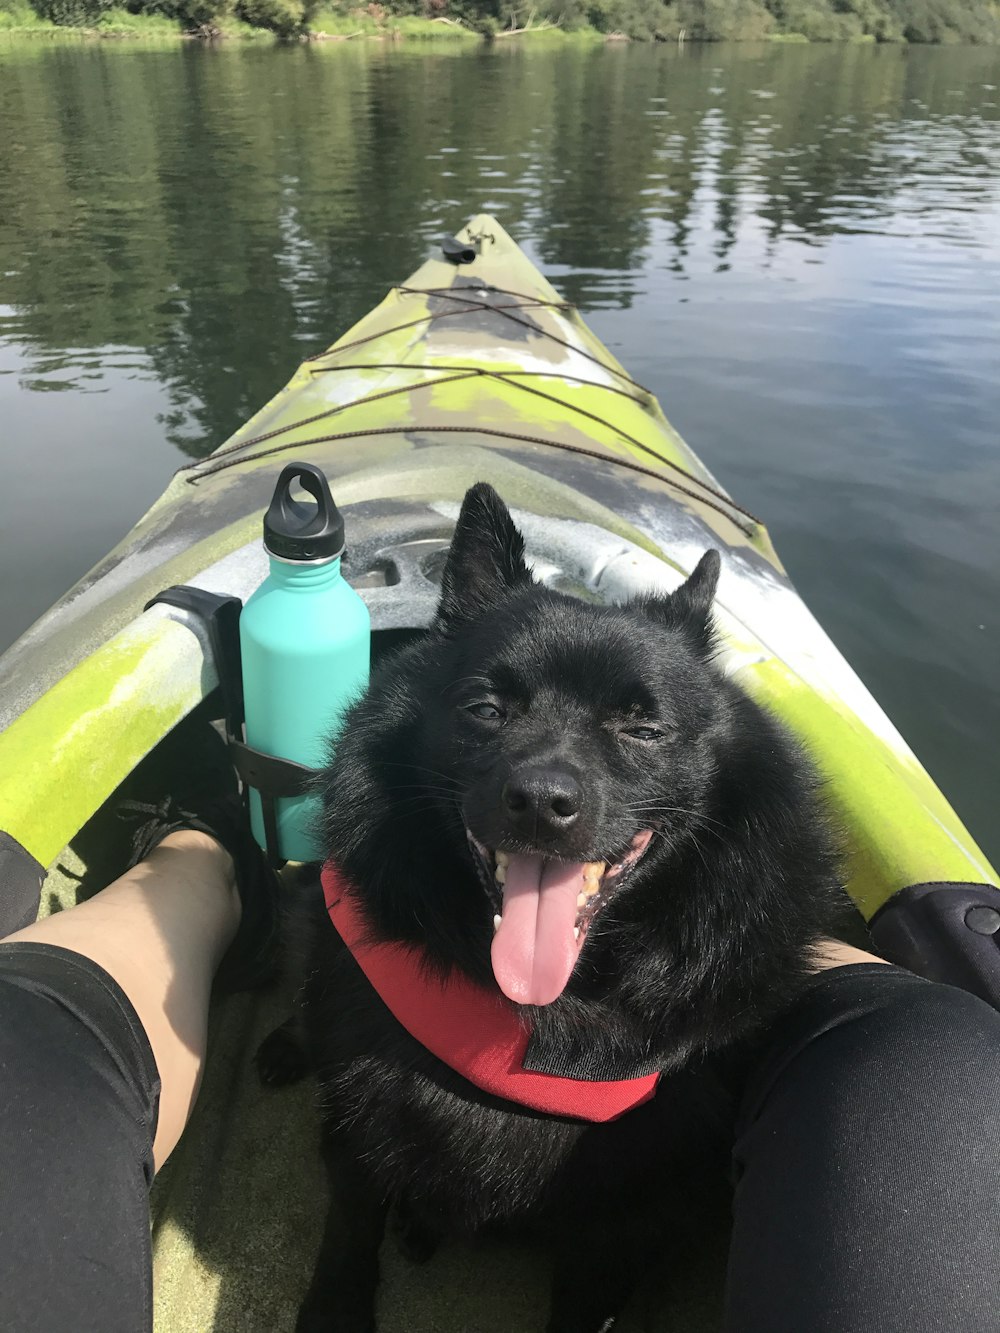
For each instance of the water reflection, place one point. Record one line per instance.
(207, 216)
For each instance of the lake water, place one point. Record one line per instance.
(797, 248)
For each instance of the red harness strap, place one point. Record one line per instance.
(477, 1032)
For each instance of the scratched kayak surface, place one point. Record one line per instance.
(473, 369)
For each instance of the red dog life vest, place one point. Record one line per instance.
(474, 1031)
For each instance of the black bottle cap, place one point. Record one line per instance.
(297, 531)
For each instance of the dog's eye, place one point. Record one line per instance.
(645, 733)
(488, 712)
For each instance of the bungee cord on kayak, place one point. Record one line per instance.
(462, 373)
(467, 304)
(481, 370)
(412, 428)
(719, 501)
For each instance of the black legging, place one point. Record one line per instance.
(867, 1160)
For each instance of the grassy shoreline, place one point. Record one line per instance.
(562, 21)
(120, 25)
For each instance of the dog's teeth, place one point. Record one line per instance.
(581, 900)
(576, 932)
(500, 874)
(496, 923)
(593, 872)
(503, 858)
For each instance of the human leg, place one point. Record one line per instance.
(160, 932)
(868, 1164)
(103, 1014)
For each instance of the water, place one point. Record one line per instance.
(797, 248)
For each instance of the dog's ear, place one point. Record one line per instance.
(486, 560)
(690, 607)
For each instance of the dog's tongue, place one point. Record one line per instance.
(534, 948)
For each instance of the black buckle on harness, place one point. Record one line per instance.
(268, 774)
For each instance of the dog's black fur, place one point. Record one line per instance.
(705, 941)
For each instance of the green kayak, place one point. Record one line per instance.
(473, 369)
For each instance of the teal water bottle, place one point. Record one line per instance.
(305, 636)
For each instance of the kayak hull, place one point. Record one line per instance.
(463, 373)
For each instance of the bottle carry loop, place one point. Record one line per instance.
(268, 774)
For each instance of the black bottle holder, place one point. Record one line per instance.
(270, 776)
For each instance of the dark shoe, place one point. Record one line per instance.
(192, 765)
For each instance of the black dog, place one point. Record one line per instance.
(567, 805)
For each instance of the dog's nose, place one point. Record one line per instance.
(538, 796)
